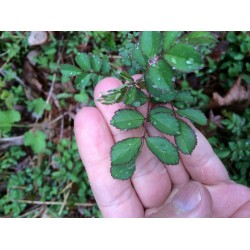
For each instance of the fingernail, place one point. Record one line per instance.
(188, 198)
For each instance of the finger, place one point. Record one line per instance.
(115, 198)
(190, 201)
(227, 198)
(243, 211)
(151, 180)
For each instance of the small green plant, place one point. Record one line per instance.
(162, 56)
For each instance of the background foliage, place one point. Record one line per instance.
(41, 174)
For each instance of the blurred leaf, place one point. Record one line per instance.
(96, 63)
(7, 118)
(36, 140)
(150, 43)
(83, 61)
(70, 70)
(184, 58)
(135, 97)
(139, 57)
(82, 80)
(114, 95)
(199, 38)
(184, 96)
(169, 38)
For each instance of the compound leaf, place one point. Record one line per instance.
(125, 151)
(161, 75)
(83, 61)
(36, 140)
(169, 38)
(163, 149)
(135, 97)
(127, 119)
(193, 115)
(186, 140)
(150, 42)
(184, 58)
(165, 123)
(70, 70)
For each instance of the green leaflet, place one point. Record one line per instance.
(36, 140)
(158, 95)
(169, 38)
(135, 97)
(193, 115)
(163, 149)
(139, 57)
(183, 57)
(124, 151)
(161, 109)
(165, 123)
(70, 70)
(96, 63)
(184, 96)
(7, 118)
(199, 38)
(83, 61)
(126, 76)
(82, 80)
(186, 140)
(150, 43)
(105, 68)
(127, 119)
(161, 75)
(123, 172)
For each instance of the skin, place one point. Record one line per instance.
(199, 186)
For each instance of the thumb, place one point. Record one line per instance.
(189, 201)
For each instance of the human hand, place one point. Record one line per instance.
(199, 186)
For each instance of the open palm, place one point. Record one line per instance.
(198, 186)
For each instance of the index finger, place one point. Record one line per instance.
(115, 198)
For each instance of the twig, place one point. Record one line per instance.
(57, 203)
(64, 202)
